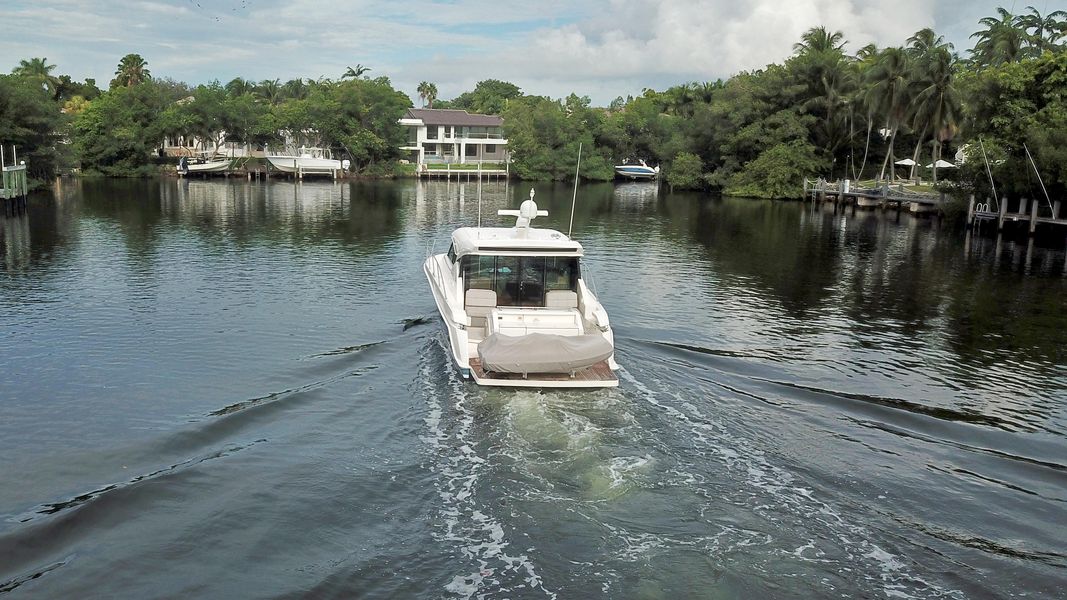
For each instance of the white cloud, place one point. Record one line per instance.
(600, 48)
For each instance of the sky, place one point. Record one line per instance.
(596, 48)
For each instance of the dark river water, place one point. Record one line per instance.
(223, 389)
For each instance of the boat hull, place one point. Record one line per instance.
(213, 166)
(304, 164)
(636, 172)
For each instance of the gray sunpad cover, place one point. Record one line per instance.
(542, 352)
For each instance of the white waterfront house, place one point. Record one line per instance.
(447, 136)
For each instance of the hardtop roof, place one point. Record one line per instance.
(504, 240)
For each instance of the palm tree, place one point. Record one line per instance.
(706, 91)
(865, 59)
(818, 39)
(926, 41)
(269, 90)
(355, 72)
(1043, 32)
(132, 70)
(888, 95)
(831, 102)
(936, 108)
(294, 89)
(427, 93)
(678, 100)
(932, 60)
(40, 69)
(239, 87)
(1002, 41)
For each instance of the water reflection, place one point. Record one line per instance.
(787, 367)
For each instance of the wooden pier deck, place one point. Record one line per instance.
(464, 174)
(1039, 213)
(820, 190)
(14, 187)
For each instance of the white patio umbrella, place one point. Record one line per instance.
(905, 162)
(941, 164)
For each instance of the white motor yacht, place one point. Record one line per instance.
(517, 310)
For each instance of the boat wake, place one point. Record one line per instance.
(793, 530)
(467, 523)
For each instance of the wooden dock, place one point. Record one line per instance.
(885, 196)
(1038, 213)
(464, 174)
(14, 188)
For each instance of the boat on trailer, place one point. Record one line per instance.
(517, 310)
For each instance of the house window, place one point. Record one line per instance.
(431, 133)
(472, 150)
(490, 149)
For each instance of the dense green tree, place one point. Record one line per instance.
(38, 70)
(118, 132)
(686, 172)
(1015, 105)
(31, 122)
(490, 97)
(67, 88)
(775, 173)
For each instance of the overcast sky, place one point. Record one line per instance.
(599, 48)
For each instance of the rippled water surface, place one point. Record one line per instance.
(232, 389)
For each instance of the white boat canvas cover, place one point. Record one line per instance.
(542, 353)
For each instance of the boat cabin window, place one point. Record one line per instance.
(520, 280)
(452, 254)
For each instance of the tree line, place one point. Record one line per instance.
(821, 112)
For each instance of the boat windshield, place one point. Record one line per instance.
(520, 280)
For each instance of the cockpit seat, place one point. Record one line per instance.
(478, 303)
(561, 299)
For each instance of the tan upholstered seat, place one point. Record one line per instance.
(561, 299)
(478, 303)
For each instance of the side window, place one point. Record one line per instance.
(452, 254)
(507, 281)
(561, 274)
(478, 272)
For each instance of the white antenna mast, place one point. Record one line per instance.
(574, 198)
(988, 172)
(1039, 180)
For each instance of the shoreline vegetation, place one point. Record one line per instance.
(822, 112)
